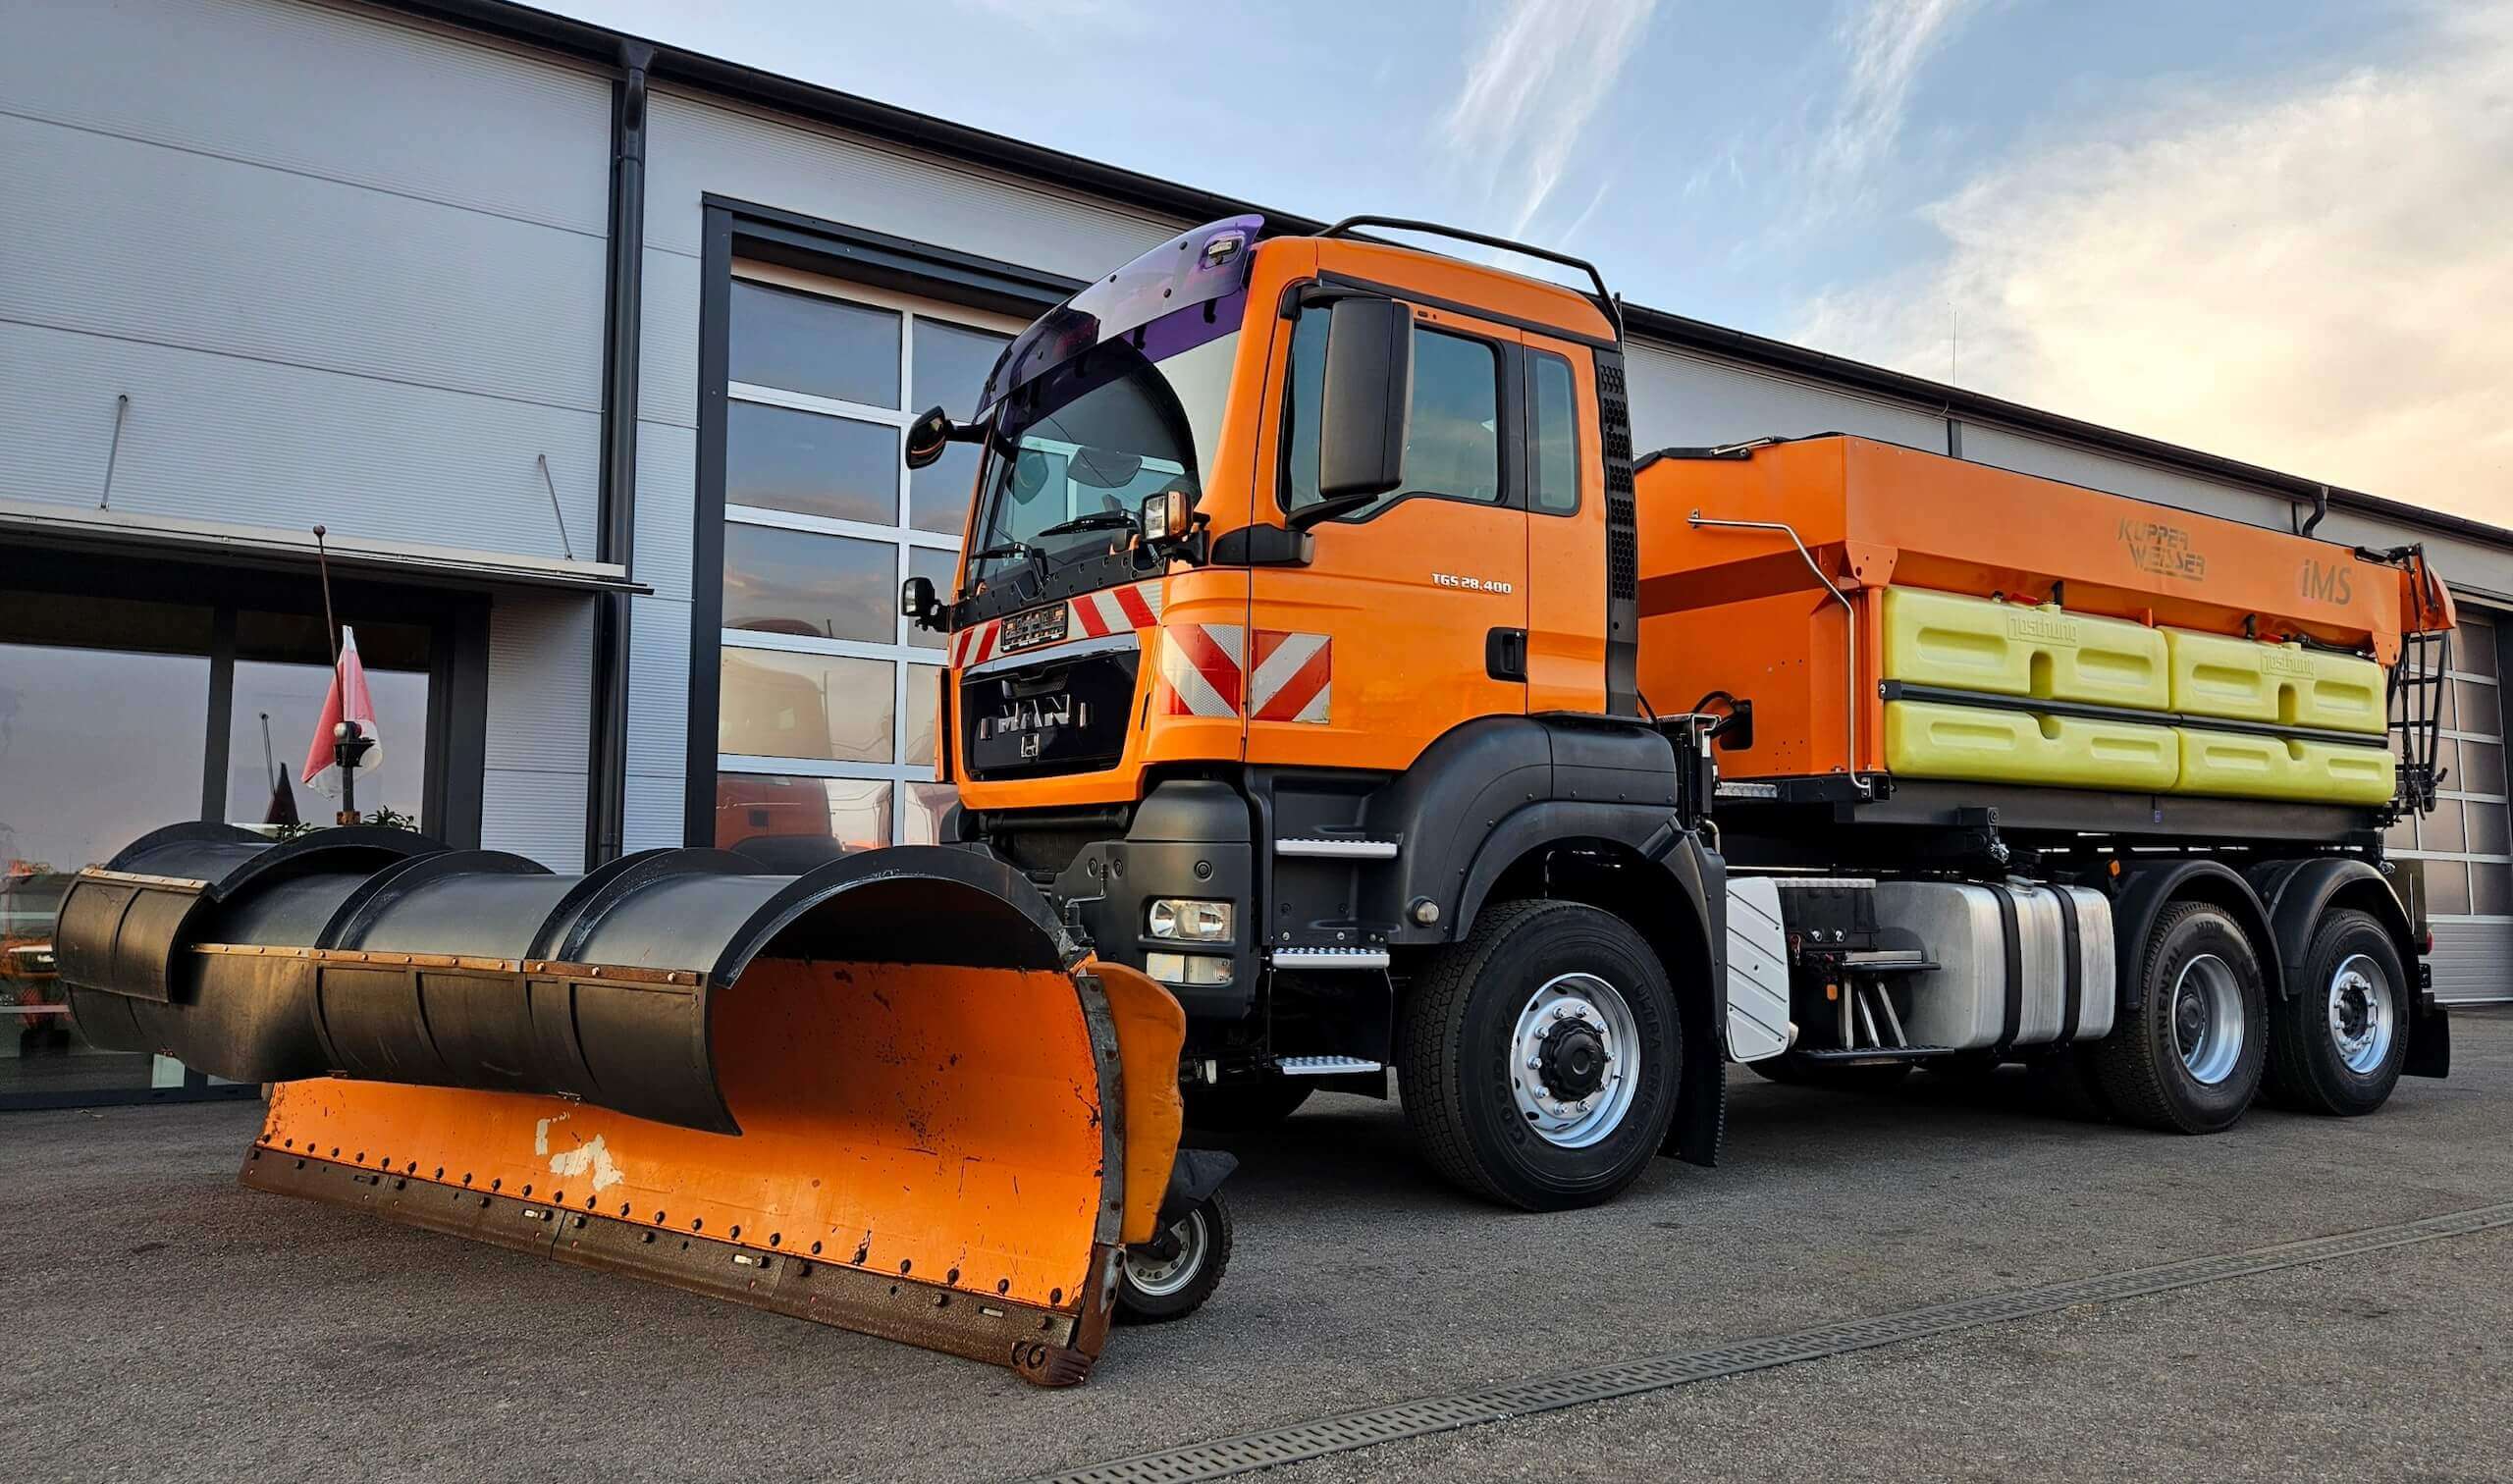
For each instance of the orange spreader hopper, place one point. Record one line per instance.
(1737, 546)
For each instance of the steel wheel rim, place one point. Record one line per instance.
(2363, 1014)
(2207, 1020)
(1571, 1000)
(1160, 1277)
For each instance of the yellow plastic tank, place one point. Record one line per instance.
(2237, 766)
(1934, 638)
(1926, 739)
(2285, 685)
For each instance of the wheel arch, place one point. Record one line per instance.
(2300, 893)
(1620, 876)
(2150, 891)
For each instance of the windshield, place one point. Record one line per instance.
(1077, 449)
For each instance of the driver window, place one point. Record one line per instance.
(1452, 443)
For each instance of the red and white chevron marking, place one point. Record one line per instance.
(1092, 616)
(1200, 669)
(1276, 676)
(1290, 677)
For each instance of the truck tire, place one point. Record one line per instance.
(1574, 990)
(2336, 1048)
(2189, 1059)
(1247, 1107)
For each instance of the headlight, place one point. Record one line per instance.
(1190, 920)
(1187, 967)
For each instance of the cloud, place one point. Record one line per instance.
(1883, 44)
(1537, 79)
(2314, 278)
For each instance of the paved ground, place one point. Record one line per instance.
(164, 1322)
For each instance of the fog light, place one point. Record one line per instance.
(1190, 920)
(1187, 967)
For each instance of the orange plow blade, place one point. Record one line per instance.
(889, 1095)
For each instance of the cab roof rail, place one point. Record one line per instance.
(1607, 304)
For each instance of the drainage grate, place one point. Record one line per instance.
(1517, 1398)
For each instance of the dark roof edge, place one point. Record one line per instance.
(601, 45)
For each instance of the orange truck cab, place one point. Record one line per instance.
(1322, 651)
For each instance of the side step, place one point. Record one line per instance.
(1325, 1066)
(1877, 1054)
(1330, 958)
(1321, 848)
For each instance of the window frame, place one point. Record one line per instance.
(2465, 798)
(1509, 432)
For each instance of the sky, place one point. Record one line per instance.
(2279, 231)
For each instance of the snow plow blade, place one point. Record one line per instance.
(888, 1094)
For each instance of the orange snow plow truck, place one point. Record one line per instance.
(1332, 692)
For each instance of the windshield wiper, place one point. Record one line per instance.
(1007, 549)
(1096, 520)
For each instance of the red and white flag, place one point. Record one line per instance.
(347, 702)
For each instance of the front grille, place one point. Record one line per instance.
(1053, 718)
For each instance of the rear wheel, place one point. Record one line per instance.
(1240, 1107)
(1538, 1059)
(2337, 1047)
(1171, 1276)
(2189, 1058)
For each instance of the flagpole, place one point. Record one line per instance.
(346, 745)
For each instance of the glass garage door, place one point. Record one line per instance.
(825, 718)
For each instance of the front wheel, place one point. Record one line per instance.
(2337, 1047)
(1172, 1275)
(1538, 1060)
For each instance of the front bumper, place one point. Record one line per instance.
(1189, 838)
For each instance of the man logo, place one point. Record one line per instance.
(2328, 584)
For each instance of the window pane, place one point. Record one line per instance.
(2401, 834)
(2447, 763)
(933, 812)
(97, 747)
(2474, 707)
(923, 696)
(1553, 452)
(804, 706)
(1452, 445)
(937, 494)
(2482, 767)
(795, 582)
(804, 343)
(2491, 890)
(811, 464)
(951, 364)
(797, 820)
(941, 568)
(2473, 647)
(278, 709)
(1305, 381)
(2448, 888)
(2490, 829)
(2441, 830)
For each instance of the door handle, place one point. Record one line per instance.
(1505, 653)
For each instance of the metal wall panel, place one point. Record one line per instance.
(653, 818)
(666, 476)
(2473, 961)
(216, 437)
(2052, 460)
(150, 244)
(667, 344)
(540, 695)
(1682, 399)
(346, 95)
(659, 689)
(695, 146)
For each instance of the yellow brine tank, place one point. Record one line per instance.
(1944, 648)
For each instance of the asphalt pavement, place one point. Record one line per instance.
(164, 1322)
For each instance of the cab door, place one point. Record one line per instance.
(1411, 616)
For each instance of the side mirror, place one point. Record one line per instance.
(919, 604)
(1369, 393)
(927, 436)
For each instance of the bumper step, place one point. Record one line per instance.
(1326, 1066)
(1330, 958)
(1315, 847)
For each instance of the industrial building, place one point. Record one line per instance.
(592, 358)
